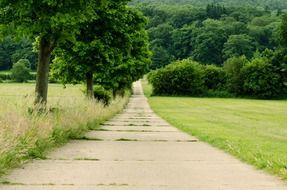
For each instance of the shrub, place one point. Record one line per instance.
(8, 76)
(179, 78)
(5, 76)
(102, 95)
(219, 94)
(2, 76)
(20, 72)
(259, 79)
(26, 62)
(33, 76)
(215, 78)
(233, 67)
(279, 60)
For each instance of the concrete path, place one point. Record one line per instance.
(139, 151)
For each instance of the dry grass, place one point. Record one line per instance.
(25, 135)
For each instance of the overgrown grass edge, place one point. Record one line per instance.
(58, 137)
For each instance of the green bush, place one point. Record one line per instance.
(26, 62)
(179, 78)
(33, 76)
(20, 72)
(259, 79)
(5, 76)
(215, 78)
(219, 94)
(8, 76)
(102, 95)
(239, 77)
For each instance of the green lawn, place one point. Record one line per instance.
(253, 130)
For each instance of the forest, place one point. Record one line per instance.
(209, 35)
(221, 36)
(263, 4)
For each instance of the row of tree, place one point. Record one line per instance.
(263, 4)
(209, 35)
(92, 41)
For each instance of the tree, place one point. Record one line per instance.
(278, 58)
(238, 45)
(182, 42)
(7, 49)
(263, 29)
(209, 41)
(20, 71)
(12, 50)
(208, 46)
(184, 15)
(215, 11)
(161, 36)
(160, 58)
(233, 68)
(52, 22)
(283, 31)
(112, 50)
(132, 56)
(25, 51)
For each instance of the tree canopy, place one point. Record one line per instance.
(264, 4)
(52, 22)
(210, 34)
(112, 50)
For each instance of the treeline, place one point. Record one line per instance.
(100, 43)
(209, 35)
(217, 51)
(264, 4)
(12, 50)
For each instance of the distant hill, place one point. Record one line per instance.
(270, 4)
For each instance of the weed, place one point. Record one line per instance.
(123, 139)
(87, 159)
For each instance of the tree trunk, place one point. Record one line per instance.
(43, 71)
(90, 85)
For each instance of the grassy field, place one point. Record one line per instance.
(27, 89)
(255, 131)
(25, 135)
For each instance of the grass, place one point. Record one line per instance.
(254, 131)
(25, 135)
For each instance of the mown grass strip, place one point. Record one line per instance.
(252, 130)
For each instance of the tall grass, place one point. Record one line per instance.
(25, 134)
